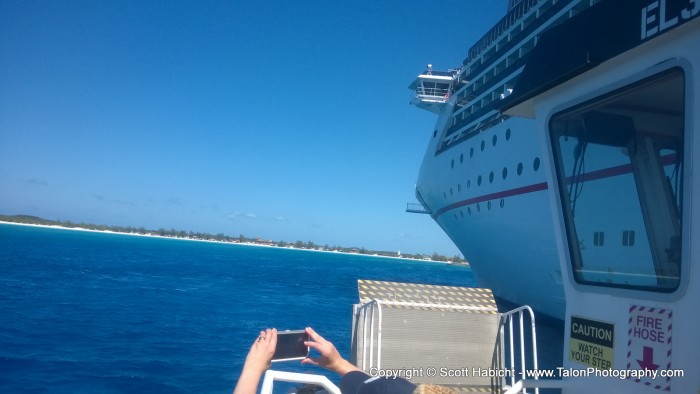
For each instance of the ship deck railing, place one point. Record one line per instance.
(435, 95)
(501, 27)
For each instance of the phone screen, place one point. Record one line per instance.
(290, 345)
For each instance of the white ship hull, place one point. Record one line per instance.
(501, 224)
(482, 179)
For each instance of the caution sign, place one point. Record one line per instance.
(591, 343)
(649, 343)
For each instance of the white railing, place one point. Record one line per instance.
(371, 306)
(293, 377)
(506, 328)
(432, 93)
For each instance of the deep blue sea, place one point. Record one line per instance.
(108, 313)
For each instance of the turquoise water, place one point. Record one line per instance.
(110, 313)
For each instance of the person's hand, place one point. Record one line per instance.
(329, 356)
(260, 354)
(257, 362)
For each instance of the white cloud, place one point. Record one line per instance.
(237, 215)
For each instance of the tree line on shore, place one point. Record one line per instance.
(221, 237)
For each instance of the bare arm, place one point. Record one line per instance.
(257, 362)
(329, 356)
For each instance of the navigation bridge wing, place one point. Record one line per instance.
(433, 89)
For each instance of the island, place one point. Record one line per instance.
(223, 238)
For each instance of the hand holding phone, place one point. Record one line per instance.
(290, 346)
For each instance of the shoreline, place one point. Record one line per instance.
(250, 244)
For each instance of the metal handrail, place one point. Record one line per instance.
(294, 377)
(363, 309)
(507, 319)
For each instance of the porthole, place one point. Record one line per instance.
(478, 181)
(488, 205)
(504, 173)
(491, 177)
(478, 207)
(469, 183)
(494, 140)
(508, 135)
(452, 165)
(503, 203)
(469, 210)
(536, 164)
(461, 158)
(520, 168)
(444, 195)
(483, 145)
(459, 187)
(434, 133)
(461, 213)
(452, 193)
(456, 218)
(471, 152)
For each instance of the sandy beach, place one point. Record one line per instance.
(248, 244)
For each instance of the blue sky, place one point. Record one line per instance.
(278, 119)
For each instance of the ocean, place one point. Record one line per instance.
(110, 313)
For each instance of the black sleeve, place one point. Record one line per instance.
(357, 382)
(351, 382)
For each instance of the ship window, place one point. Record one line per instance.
(628, 238)
(520, 168)
(508, 135)
(504, 174)
(598, 238)
(619, 161)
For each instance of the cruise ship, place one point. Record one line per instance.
(481, 179)
(580, 180)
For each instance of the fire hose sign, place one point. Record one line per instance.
(649, 343)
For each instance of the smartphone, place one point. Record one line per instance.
(290, 345)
